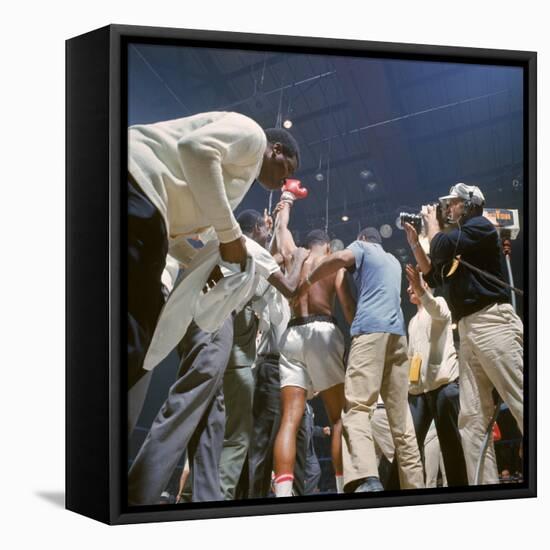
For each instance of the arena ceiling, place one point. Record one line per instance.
(377, 136)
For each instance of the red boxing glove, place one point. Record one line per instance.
(497, 436)
(292, 190)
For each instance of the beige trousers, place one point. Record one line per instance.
(378, 364)
(433, 459)
(491, 356)
(381, 434)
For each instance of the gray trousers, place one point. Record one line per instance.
(238, 389)
(192, 417)
(136, 398)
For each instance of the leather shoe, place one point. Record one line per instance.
(371, 484)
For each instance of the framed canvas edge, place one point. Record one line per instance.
(121, 35)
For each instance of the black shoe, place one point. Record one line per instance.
(371, 484)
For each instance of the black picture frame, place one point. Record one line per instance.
(96, 83)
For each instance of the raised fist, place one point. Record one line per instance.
(292, 190)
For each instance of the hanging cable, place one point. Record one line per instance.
(278, 124)
(165, 84)
(263, 73)
(328, 186)
(407, 116)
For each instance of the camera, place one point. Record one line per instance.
(417, 221)
(414, 219)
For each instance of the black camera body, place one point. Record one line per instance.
(414, 219)
(417, 222)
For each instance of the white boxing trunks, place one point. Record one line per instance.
(312, 354)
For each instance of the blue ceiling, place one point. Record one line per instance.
(414, 128)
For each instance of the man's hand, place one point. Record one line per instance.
(326, 431)
(431, 221)
(215, 276)
(281, 205)
(412, 235)
(413, 276)
(234, 252)
(268, 220)
(300, 254)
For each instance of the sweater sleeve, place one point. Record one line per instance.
(234, 139)
(436, 307)
(410, 350)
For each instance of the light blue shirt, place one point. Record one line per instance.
(378, 280)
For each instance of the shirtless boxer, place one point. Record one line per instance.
(312, 354)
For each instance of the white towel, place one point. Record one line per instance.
(187, 302)
(269, 305)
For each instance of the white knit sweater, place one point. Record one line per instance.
(196, 170)
(431, 336)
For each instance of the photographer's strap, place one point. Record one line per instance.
(489, 276)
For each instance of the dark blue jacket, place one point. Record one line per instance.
(477, 242)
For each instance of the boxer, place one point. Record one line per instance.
(312, 348)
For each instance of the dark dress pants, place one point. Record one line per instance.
(191, 418)
(442, 406)
(147, 249)
(266, 412)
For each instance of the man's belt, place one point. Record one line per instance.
(297, 321)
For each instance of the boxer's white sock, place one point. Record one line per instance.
(339, 483)
(283, 485)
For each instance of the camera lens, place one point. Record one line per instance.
(414, 219)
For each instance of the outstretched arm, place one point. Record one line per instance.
(285, 241)
(345, 297)
(288, 284)
(329, 265)
(422, 259)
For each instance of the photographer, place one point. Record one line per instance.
(491, 334)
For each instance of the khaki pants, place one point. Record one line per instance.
(491, 356)
(433, 459)
(381, 433)
(378, 364)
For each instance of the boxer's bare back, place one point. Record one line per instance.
(319, 300)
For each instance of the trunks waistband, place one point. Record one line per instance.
(298, 321)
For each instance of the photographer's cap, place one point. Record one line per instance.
(465, 192)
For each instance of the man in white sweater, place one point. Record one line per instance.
(193, 415)
(185, 177)
(433, 376)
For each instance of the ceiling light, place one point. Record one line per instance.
(287, 123)
(319, 176)
(345, 218)
(371, 185)
(386, 231)
(365, 174)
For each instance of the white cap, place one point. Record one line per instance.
(465, 192)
